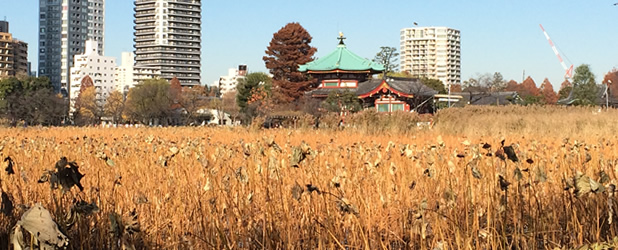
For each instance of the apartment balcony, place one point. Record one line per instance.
(144, 13)
(184, 32)
(144, 32)
(195, 39)
(144, 20)
(139, 8)
(184, 6)
(189, 2)
(185, 13)
(144, 26)
(185, 20)
(144, 38)
(168, 56)
(185, 26)
(160, 49)
(142, 2)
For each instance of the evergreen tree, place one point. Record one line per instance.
(388, 57)
(584, 86)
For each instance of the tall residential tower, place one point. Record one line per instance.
(432, 52)
(13, 53)
(64, 27)
(168, 37)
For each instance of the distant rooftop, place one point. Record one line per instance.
(341, 59)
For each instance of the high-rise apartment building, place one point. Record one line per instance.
(13, 53)
(6, 55)
(128, 75)
(432, 52)
(4, 26)
(20, 57)
(64, 27)
(168, 37)
(101, 69)
(228, 83)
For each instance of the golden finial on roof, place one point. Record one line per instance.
(341, 38)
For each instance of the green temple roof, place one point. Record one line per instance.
(341, 59)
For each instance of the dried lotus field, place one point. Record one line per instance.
(238, 188)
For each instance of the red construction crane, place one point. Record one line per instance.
(568, 70)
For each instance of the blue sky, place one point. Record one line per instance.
(497, 36)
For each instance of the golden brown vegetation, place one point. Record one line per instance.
(449, 187)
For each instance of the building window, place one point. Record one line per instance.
(383, 107)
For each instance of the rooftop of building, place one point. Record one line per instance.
(341, 59)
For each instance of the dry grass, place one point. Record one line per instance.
(233, 188)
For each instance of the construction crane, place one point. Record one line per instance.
(568, 70)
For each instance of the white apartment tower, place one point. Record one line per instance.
(128, 75)
(168, 36)
(101, 69)
(64, 27)
(432, 52)
(228, 83)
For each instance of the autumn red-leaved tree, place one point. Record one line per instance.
(528, 88)
(512, 85)
(611, 78)
(87, 108)
(548, 93)
(288, 49)
(456, 88)
(175, 93)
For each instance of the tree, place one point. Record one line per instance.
(88, 108)
(228, 105)
(345, 101)
(548, 93)
(262, 100)
(175, 93)
(32, 100)
(496, 82)
(565, 89)
(192, 100)
(388, 57)
(435, 84)
(456, 88)
(149, 101)
(611, 80)
(288, 49)
(245, 90)
(512, 85)
(584, 86)
(528, 87)
(114, 106)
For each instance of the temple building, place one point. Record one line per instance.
(342, 70)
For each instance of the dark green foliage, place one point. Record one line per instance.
(31, 100)
(584, 86)
(388, 57)
(149, 101)
(341, 102)
(435, 84)
(246, 88)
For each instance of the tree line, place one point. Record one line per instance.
(32, 101)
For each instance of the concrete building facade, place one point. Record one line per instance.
(6, 55)
(168, 37)
(128, 75)
(101, 69)
(432, 52)
(228, 83)
(64, 28)
(13, 53)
